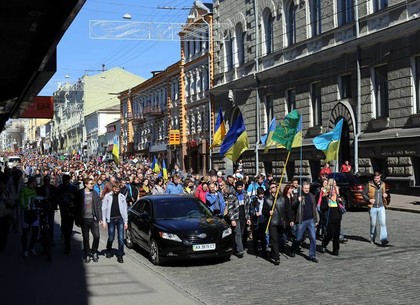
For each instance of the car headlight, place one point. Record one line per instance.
(226, 232)
(170, 236)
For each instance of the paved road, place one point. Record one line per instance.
(362, 274)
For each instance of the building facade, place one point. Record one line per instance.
(175, 101)
(329, 59)
(73, 103)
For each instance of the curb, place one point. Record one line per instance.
(404, 210)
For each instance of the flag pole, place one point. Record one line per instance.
(278, 189)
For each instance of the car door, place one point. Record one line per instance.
(134, 219)
(145, 221)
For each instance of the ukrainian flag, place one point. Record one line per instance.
(155, 165)
(329, 142)
(116, 149)
(269, 141)
(236, 140)
(219, 130)
(164, 170)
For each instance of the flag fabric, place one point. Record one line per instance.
(155, 165)
(269, 141)
(164, 170)
(297, 141)
(329, 142)
(236, 140)
(219, 130)
(116, 149)
(284, 134)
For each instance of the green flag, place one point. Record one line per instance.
(286, 130)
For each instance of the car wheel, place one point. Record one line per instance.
(154, 253)
(129, 238)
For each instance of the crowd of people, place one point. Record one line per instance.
(93, 194)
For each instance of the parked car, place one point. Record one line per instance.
(177, 227)
(351, 188)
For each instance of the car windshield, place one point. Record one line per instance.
(182, 207)
(14, 160)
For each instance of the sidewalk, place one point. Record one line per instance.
(405, 203)
(67, 280)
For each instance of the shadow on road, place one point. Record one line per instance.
(34, 281)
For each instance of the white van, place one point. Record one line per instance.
(13, 161)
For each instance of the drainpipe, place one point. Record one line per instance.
(359, 93)
(257, 68)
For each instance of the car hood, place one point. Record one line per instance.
(190, 224)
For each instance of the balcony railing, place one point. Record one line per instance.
(153, 110)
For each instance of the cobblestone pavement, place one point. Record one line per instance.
(362, 274)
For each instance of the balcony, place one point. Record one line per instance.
(153, 111)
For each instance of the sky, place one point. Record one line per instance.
(78, 54)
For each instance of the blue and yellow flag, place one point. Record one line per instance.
(155, 165)
(164, 170)
(236, 140)
(219, 130)
(269, 141)
(116, 149)
(329, 142)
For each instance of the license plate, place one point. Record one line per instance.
(204, 247)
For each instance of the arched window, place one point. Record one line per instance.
(291, 23)
(268, 32)
(228, 52)
(315, 9)
(240, 42)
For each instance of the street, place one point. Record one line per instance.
(362, 274)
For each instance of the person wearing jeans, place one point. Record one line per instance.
(307, 219)
(114, 214)
(89, 216)
(375, 193)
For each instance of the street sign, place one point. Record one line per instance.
(174, 137)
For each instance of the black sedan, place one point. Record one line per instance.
(174, 227)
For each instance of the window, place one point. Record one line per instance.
(379, 5)
(268, 38)
(345, 11)
(417, 84)
(345, 86)
(315, 8)
(291, 23)
(316, 104)
(269, 111)
(291, 100)
(240, 41)
(228, 53)
(381, 92)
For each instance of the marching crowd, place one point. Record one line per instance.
(94, 193)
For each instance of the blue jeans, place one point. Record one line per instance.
(310, 225)
(116, 222)
(378, 213)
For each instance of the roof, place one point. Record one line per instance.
(30, 32)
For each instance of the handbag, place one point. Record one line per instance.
(341, 209)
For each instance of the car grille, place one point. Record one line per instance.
(195, 238)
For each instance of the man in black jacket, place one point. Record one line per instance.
(89, 215)
(280, 220)
(49, 191)
(307, 219)
(66, 194)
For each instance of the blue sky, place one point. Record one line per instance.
(78, 54)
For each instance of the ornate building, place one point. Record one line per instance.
(329, 59)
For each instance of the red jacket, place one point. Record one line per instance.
(200, 194)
